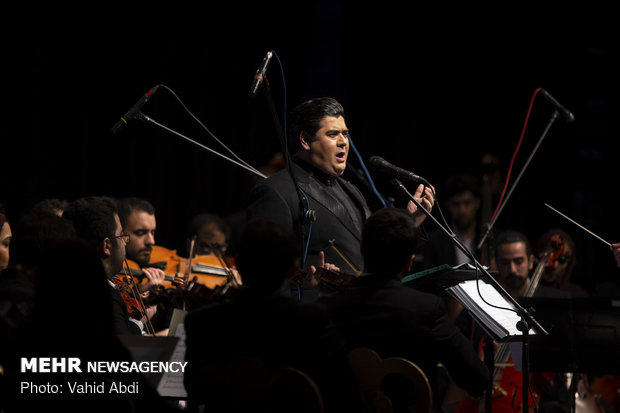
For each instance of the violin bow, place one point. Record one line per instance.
(579, 225)
(332, 244)
(220, 256)
(138, 297)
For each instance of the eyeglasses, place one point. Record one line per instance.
(124, 236)
(562, 258)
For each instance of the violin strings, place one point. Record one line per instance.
(138, 297)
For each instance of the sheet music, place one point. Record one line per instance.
(503, 321)
(171, 383)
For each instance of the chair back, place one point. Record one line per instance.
(376, 375)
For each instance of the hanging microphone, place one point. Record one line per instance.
(382, 165)
(260, 74)
(131, 113)
(565, 112)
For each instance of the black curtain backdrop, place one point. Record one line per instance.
(430, 88)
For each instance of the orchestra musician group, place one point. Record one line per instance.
(307, 229)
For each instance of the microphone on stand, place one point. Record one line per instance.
(384, 166)
(565, 112)
(260, 74)
(131, 113)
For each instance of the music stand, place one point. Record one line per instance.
(437, 279)
(526, 320)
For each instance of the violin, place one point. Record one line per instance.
(325, 281)
(208, 270)
(329, 281)
(130, 293)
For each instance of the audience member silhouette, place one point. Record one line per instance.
(259, 320)
(381, 313)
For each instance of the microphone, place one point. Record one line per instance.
(260, 74)
(131, 113)
(565, 112)
(382, 165)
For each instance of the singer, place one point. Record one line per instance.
(318, 142)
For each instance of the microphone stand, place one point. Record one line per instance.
(527, 320)
(141, 116)
(490, 225)
(307, 215)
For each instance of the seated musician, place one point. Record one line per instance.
(319, 142)
(72, 316)
(381, 313)
(209, 231)
(96, 220)
(515, 264)
(258, 320)
(137, 218)
(560, 264)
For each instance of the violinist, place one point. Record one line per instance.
(209, 231)
(559, 268)
(514, 260)
(137, 218)
(96, 220)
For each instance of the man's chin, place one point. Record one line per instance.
(514, 282)
(339, 169)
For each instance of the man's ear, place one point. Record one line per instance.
(105, 248)
(407, 267)
(304, 141)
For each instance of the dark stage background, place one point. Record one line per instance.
(429, 88)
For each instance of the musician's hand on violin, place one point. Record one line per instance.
(425, 196)
(615, 248)
(235, 279)
(154, 277)
(150, 312)
(321, 264)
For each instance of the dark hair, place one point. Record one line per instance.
(511, 236)
(307, 117)
(457, 184)
(35, 232)
(202, 220)
(92, 218)
(265, 241)
(50, 205)
(389, 238)
(57, 300)
(126, 206)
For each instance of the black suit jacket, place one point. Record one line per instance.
(122, 324)
(277, 330)
(276, 197)
(395, 320)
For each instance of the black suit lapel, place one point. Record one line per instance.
(319, 195)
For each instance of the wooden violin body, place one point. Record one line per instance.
(205, 269)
